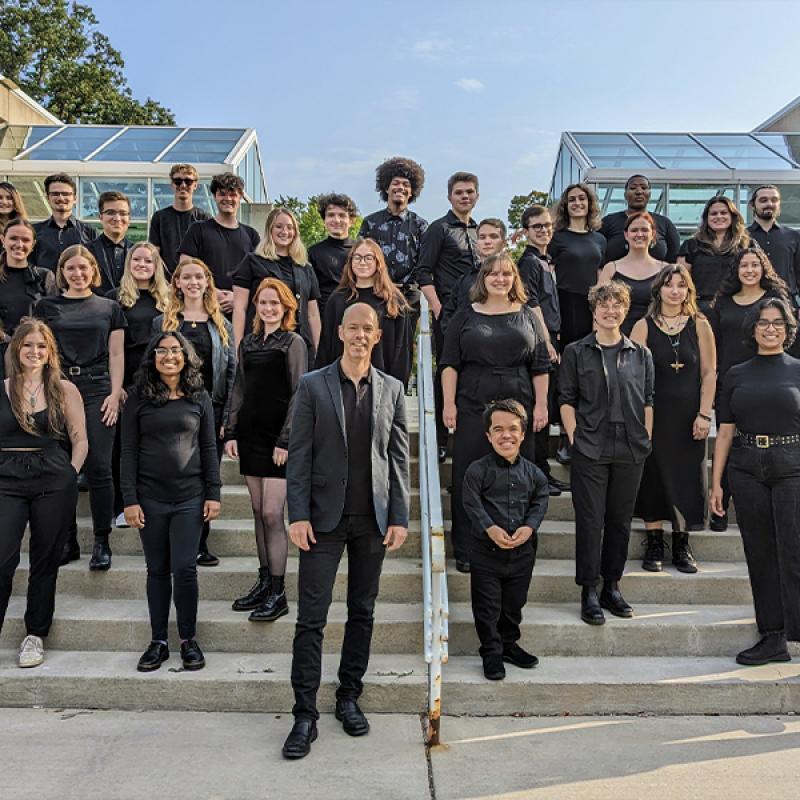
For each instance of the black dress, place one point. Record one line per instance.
(673, 484)
(267, 375)
(391, 355)
(496, 356)
(641, 294)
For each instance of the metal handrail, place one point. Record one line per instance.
(434, 574)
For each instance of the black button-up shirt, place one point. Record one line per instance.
(357, 402)
(539, 278)
(399, 237)
(448, 250)
(110, 259)
(782, 246)
(52, 240)
(497, 492)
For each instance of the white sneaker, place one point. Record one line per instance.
(31, 652)
(120, 522)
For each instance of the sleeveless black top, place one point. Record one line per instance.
(12, 436)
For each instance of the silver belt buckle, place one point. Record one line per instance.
(762, 442)
(74, 371)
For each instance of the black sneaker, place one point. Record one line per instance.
(192, 656)
(514, 654)
(205, 558)
(493, 668)
(769, 648)
(152, 658)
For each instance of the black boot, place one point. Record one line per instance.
(771, 647)
(591, 613)
(682, 556)
(101, 555)
(653, 560)
(71, 551)
(275, 605)
(258, 593)
(611, 598)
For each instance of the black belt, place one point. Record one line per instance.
(74, 371)
(763, 441)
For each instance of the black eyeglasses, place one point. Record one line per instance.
(183, 181)
(764, 324)
(540, 226)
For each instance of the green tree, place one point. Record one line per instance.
(312, 228)
(53, 50)
(519, 202)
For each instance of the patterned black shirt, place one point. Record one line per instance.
(399, 238)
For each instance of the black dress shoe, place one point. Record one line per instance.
(591, 613)
(514, 654)
(771, 647)
(563, 485)
(462, 566)
(101, 556)
(354, 723)
(258, 593)
(274, 607)
(718, 523)
(192, 656)
(298, 742)
(553, 490)
(493, 669)
(205, 558)
(612, 600)
(71, 552)
(152, 658)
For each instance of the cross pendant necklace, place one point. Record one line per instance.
(677, 365)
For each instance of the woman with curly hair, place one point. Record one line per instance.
(710, 253)
(42, 447)
(171, 486)
(366, 280)
(194, 311)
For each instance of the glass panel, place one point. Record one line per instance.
(138, 144)
(686, 202)
(205, 145)
(613, 151)
(163, 196)
(261, 196)
(786, 144)
(557, 187)
(16, 138)
(677, 151)
(565, 176)
(33, 194)
(92, 188)
(612, 198)
(790, 203)
(73, 143)
(742, 152)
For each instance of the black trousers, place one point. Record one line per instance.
(603, 495)
(438, 394)
(541, 439)
(765, 484)
(318, 566)
(218, 413)
(38, 488)
(411, 292)
(499, 584)
(169, 538)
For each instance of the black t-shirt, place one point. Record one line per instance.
(668, 240)
(168, 226)
(220, 248)
(327, 258)
(707, 266)
(762, 396)
(139, 331)
(610, 356)
(578, 257)
(81, 326)
(20, 291)
(199, 337)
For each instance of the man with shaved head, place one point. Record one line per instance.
(347, 488)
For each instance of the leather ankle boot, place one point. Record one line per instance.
(771, 647)
(682, 556)
(258, 593)
(653, 560)
(611, 599)
(591, 613)
(275, 606)
(101, 555)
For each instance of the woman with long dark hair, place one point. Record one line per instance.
(674, 482)
(171, 486)
(494, 348)
(271, 360)
(42, 446)
(710, 253)
(89, 331)
(194, 311)
(759, 441)
(366, 279)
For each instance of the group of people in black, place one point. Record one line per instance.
(136, 365)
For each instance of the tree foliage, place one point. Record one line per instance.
(53, 50)
(312, 228)
(519, 202)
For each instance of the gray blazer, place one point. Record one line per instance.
(316, 470)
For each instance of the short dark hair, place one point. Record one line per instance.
(60, 177)
(531, 212)
(227, 181)
(333, 199)
(111, 197)
(461, 177)
(749, 328)
(613, 290)
(494, 222)
(754, 194)
(399, 167)
(634, 177)
(508, 405)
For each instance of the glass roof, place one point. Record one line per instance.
(72, 144)
(204, 144)
(138, 144)
(691, 151)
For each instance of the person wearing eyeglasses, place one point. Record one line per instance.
(61, 229)
(111, 247)
(758, 438)
(169, 225)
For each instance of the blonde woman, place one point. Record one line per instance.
(194, 311)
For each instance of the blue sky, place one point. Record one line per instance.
(335, 87)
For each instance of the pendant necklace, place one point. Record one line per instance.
(33, 395)
(675, 343)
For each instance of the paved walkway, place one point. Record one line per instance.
(108, 754)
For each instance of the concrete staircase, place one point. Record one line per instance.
(674, 657)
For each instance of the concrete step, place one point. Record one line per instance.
(717, 583)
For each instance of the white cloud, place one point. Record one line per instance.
(432, 49)
(470, 84)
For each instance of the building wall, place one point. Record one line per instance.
(789, 123)
(14, 109)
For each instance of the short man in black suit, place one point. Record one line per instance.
(359, 502)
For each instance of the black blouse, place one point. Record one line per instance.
(20, 291)
(708, 267)
(577, 258)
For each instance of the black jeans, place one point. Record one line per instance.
(603, 495)
(169, 538)
(499, 584)
(541, 439)
(317, 574)
(38, 488)
(765, 484)
(97, 466)
(218, 414)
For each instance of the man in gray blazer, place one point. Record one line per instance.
(347, 487)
